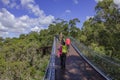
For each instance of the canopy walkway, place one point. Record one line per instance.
(81, 64)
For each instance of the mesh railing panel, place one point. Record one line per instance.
(50, 71)
(106, 66)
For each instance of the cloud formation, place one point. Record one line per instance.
(36, 29)
(6, 2)
(98, 0)
(88, 17)
(67, 11)
(75, 1)
(9, 23)
(31, 6)
(10, 3)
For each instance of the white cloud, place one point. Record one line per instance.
(98, 0)
(25, 2)
(68, 11)
(11, 24)
(75, 1)
(24, 18)
(28, 4)
(6, 2)
(4, 33)
(36, 29)
(2, 28)
(88, 17)
(117, 2)
(46, 20)
(42, 18)
(6, 18)
(10, 3)
(35, 9)
(31, 6)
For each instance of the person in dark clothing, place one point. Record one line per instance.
(63, 55)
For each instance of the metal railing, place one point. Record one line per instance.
(107, 68)
(50, 71)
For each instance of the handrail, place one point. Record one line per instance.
(50, 71)
(107, 68)
(90, 62)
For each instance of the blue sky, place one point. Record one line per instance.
(22, 16)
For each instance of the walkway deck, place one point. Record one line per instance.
(76, 68)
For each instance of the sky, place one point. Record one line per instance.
(23, 16)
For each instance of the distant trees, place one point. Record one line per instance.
(68, 28)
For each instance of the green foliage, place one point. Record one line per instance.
(19, 59)
(83, 38)
(103, 29)
(99, 49)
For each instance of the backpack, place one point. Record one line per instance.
(67, 41)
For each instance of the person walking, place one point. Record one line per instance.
(63, 55)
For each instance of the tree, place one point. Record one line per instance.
(108, 13)
(72, 26)
(103, 29)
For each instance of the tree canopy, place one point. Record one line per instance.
(20, 60)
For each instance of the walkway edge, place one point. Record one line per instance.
(90, 63)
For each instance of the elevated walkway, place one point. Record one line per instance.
(81, 64)
(76, 68)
